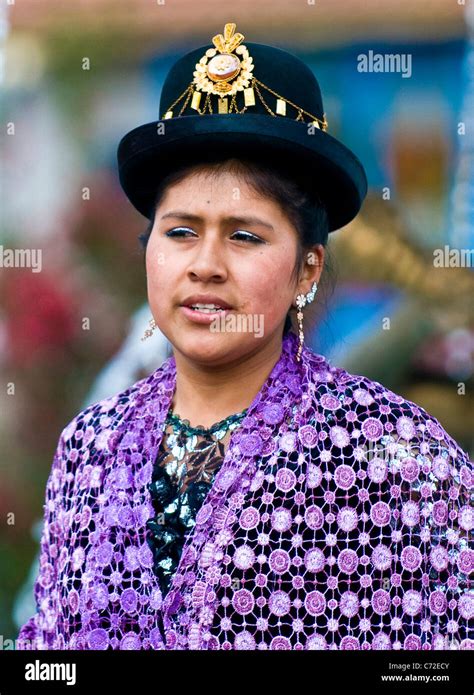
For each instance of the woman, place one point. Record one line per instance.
(247, 494)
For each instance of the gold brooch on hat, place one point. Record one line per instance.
(227, 70)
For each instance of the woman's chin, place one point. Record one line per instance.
(210, 348)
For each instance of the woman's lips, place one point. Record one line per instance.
(206, 318)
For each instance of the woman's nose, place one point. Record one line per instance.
(208, 259)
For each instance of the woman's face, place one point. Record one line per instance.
(220, 237)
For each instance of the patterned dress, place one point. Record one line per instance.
(183, 473)
(339, 518)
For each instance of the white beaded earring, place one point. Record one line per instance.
(301, 301)
(149, 331)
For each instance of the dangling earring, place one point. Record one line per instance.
(301, 301)
(149, 331)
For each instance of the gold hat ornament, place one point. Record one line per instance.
(227, 70)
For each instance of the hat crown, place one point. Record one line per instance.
(284, 73)
(243, 99)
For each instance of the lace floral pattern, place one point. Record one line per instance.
(340, 518)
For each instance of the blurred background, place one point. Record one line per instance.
(78, 75)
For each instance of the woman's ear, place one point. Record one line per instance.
(312, 268)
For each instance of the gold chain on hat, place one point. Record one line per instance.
(227, 70)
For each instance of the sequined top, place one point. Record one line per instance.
(340, 518)
(186, 465)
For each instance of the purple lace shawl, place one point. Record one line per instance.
(339, 519)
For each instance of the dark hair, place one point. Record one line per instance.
(303, 208)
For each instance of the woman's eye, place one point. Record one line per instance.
(178, 232)
(246, 236)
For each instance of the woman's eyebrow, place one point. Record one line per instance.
(231, 218)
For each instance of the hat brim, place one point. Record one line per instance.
(146, 156)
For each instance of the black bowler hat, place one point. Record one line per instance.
(235, 99)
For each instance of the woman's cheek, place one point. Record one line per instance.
(159, 269)
(160, 292)
(269, 305)
(265, 289)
